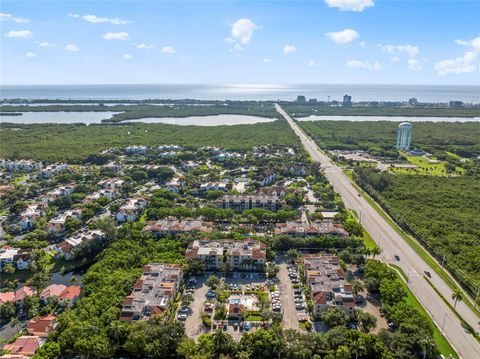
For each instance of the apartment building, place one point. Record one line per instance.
(244, 202)
(52, 170)
(111, 183)
(247, 254)
(152, 292)
(58, 193)
(69, 248)
(327, 283)
(111, 194)
(175, 226)
(20, 165)
(305, 229)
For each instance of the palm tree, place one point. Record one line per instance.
(427, 345)
(359, 348)
(457, 296)
(375, 251)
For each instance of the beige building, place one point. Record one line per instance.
(244, 202)
(327, 283)
(153, 292)
(233, 254)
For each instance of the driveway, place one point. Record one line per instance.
(193, 324)
(290, 316)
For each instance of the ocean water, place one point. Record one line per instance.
(424, 93)
(389, 118)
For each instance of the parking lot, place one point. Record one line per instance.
(193, 323)
(290, 301)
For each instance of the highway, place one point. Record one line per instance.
(392, 243)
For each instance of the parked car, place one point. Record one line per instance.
(397, 257)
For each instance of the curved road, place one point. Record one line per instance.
(392, 243)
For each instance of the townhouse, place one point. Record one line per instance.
(136, 150)
(130, 211)
(41, 326)
(66, 295)
(56, 225)
(244, 202)
(277, 191)
(20, 165)
(215, 186)
(111, 183)
(327, 283)
(18, 257)
(24, 346)
(175, 185)
(70, 247)
(32, 213)
(247, 254)
(175, 226)
(111, 194)
(305, 229)
(52, 170)
(57, 193)
(152, 292)
(227, 156)
(265, 178)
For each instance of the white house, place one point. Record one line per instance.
(130, 211)
(33, 212)
(53, 169)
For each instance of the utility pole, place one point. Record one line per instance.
(476, 298)
(443, 260)
(443, 324)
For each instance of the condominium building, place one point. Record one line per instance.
(152, 292)
(328, 287)
(305, 229)
(245, 254)
(175, 226)
(244, 202)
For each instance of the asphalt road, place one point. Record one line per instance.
(392, 243)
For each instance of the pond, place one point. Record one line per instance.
(215, 120)
(59, 117)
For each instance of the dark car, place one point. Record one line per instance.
(428, 274)
(397, 257)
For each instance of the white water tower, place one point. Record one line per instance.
(404, 136)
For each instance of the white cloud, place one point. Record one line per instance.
(73, 15)
(237, 47)
(242, 30)
(127, 57)
(362, 43)
(289, 49)
(394, 59)
(31, 55)
(116, 36)
(100, 20)
(313, 63)
(461, 65)
(46, 44)
(475, 43)
(266, 60)
(414, 65)
(168, 50)
(22, 34)
(410, 50)
(350, 5)
(71, 48)
(10, 17)
(364, 65)
(145, 46)
(343, 37)
(229, 40)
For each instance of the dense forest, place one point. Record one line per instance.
(378, 137)
(304, 110)
(50, 142)
(442, 211)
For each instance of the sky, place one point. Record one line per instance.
(227, 42)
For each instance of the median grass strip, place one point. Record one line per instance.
(422, 252)
(441, 342)
(467, 326)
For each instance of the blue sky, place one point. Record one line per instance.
(223, 42)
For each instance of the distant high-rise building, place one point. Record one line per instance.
(412, 102)
(347, 101)
(456, 104)
(404, 136)
(301, 99)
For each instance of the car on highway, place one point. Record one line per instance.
(428, 274)
(397, 257)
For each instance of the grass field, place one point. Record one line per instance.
(424, 167)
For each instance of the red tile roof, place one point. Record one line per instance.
(53, 290)
(41, 326)
(23, 292)
(70, 292)
(7, 297)
(25, 345)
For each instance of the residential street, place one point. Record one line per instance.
(392, 243)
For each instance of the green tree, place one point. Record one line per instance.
(457, 296)
(334, 317)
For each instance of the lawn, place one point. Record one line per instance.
(424, 167)
(253, 317)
